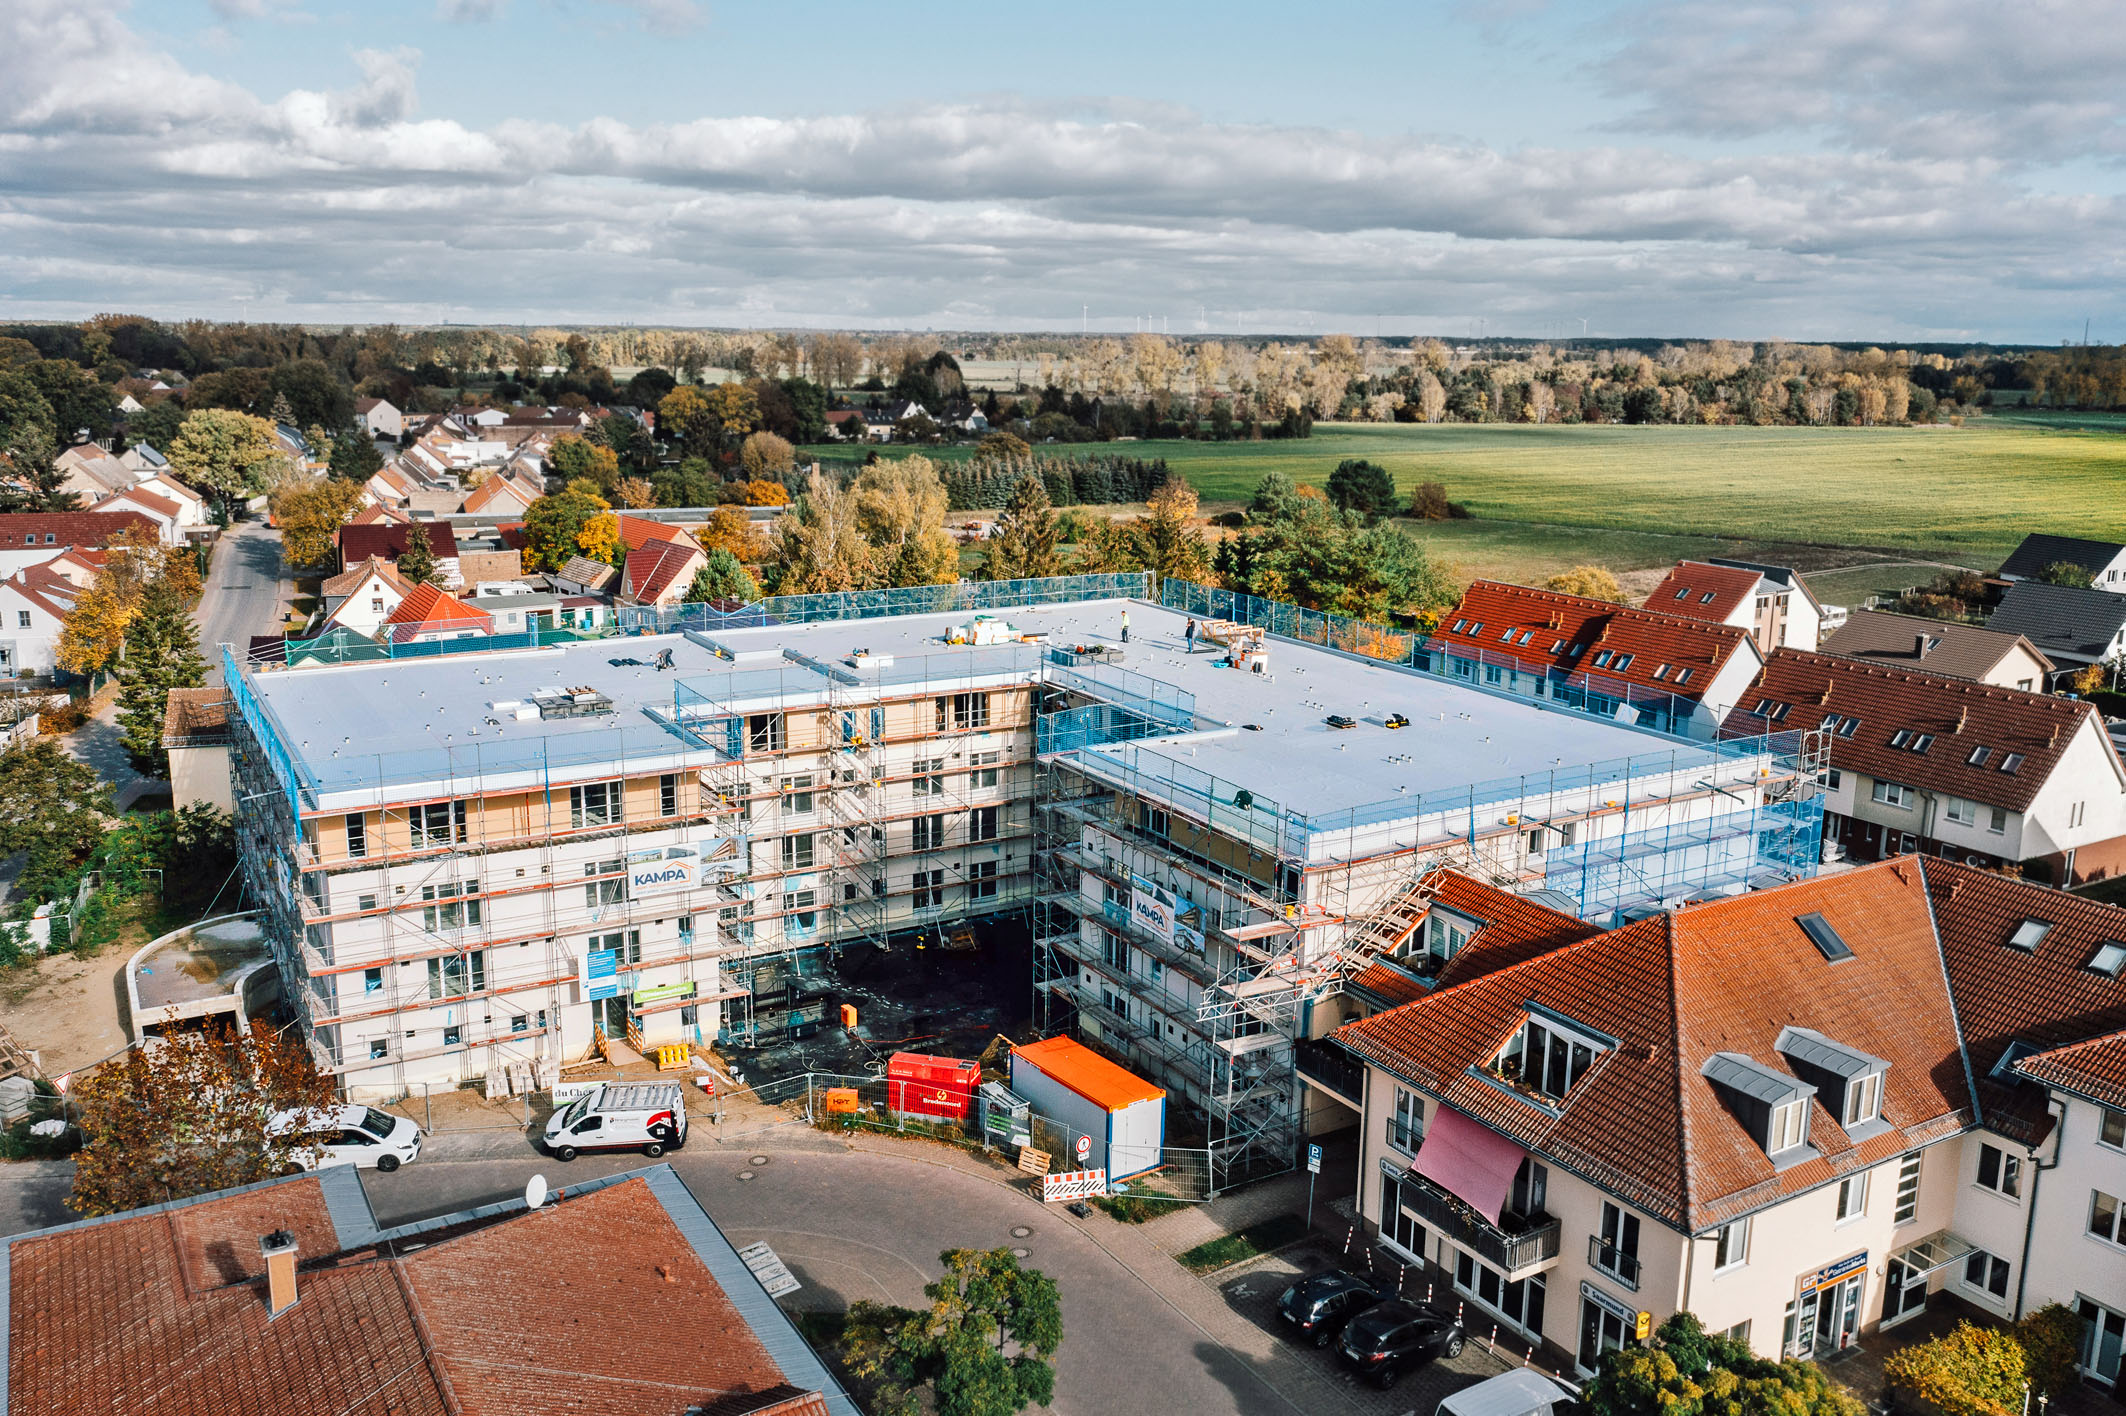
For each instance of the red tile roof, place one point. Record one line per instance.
(635, 530)
(2045, 998)
(1545, 631)
(69, 528)
(1512, 930)
(162, 1310)
(1697, 591)
(499, 488)
(655, 567)
(390, 539)
(1672, 990)
(425, 607)
(2095, 1069)
(1869, 704)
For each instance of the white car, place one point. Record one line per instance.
(350, 1135)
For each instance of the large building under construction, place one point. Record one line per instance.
(483, 852)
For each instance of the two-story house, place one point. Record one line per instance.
(2104, 560)
(1956, 769)
(2075, 627)
(1772, 602)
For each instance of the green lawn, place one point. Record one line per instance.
(1956, 494)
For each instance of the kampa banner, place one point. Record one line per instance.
(1151, 907)
(663, 871)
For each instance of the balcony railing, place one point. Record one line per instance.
(1615, 1262)
(1517, 1244)
(1332, 1067)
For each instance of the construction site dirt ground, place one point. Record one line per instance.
(70, 1011)
(913, 996)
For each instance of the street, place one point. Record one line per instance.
(1142, 1334)
(243, 593)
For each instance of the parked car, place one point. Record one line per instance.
(1321, 1303)
(350, 1135)
(645, 1116)
(1516, 1393)
(1389, 1339)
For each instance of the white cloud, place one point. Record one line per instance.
(469, 12)
(130, 176)
(663, 16)
(2036, 81)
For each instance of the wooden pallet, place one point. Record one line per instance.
(14, 1061)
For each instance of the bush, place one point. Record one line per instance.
(1134, 1206)
(1972, 1371)
(2052, 1343)
(65, 718)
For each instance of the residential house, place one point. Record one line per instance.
(1957, 769)
(379, 418)
(1790, 1112)
(845, 423)
(2074, 627)
(363, 598)
(2104, 560)
(501, 495)
(391, 486)
(569, 419)
(195, 732)
(390, 539)
(289, 1297)
(31, 537)
(168, 513)
(427, 614)
(1942, 647)
(145, 461)
(1772, 602)
(514, 607)
(1679, 674)
(376, 513)
(33, 611)
(127, 404)
(660, 563)
(476, 417)
(92, 473)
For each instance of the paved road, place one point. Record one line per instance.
(244, 592)
(1142, 1334)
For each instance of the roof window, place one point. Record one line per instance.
(2012, 761)
(1978, 756)
(1557, 646)
(1623, 662)
(1906, 740)
(1526, 635)
(2109, 958)
(1660, 671)
(1684, 593)
(1825, 938)
(1601, 660)
(1476, 626)
(1683, 675)
(1706, 598)
(1459, 625)
(1507, 637)
(1772, 712)
(1848, 726)
(2029, 934)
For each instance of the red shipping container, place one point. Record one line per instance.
(942, 1088)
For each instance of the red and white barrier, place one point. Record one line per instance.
(1073, 1185)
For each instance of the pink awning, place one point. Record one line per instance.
(1469, 1160)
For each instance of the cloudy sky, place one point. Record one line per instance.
(1929, 170)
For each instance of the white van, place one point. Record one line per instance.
(1516, 1393)
(349, 1135)
(646, 1116)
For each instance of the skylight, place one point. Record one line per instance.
(1683, 675)
(1684, 593)
(1526, 635)
(2012, 761)
(2109, 958)
(1825, 938)
(1623, 663)
(2029, 934)
(1660, 671)
(1773, 712)
(1979, 755)
(1602, 659)
(1460, 625)
(1507, 637)
(1706, 598)
(1906, 740)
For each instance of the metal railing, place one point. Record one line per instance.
(1613, 1261)
(1331, 1065)
(1514, 1245)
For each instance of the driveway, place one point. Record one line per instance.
(245, 592)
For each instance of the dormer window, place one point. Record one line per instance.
(1439, 939)
(1546, 1058)
(1832, 1069)
(2029, 934)
(1771, 1105)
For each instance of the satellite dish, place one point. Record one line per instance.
(535, 1192)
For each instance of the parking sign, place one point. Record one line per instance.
(1314, 1160)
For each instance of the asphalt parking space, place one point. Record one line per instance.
(1252, 1290)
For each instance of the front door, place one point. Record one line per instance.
(1600, 1331)
(1837, 1317)
(611, 1015)
(1904, 1292)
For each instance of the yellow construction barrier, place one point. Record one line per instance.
(673, 1057)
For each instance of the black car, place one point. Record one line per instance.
(1321, 1303)
(1389, 1339)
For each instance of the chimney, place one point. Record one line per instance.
(1919, 646)
(279, 1249)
